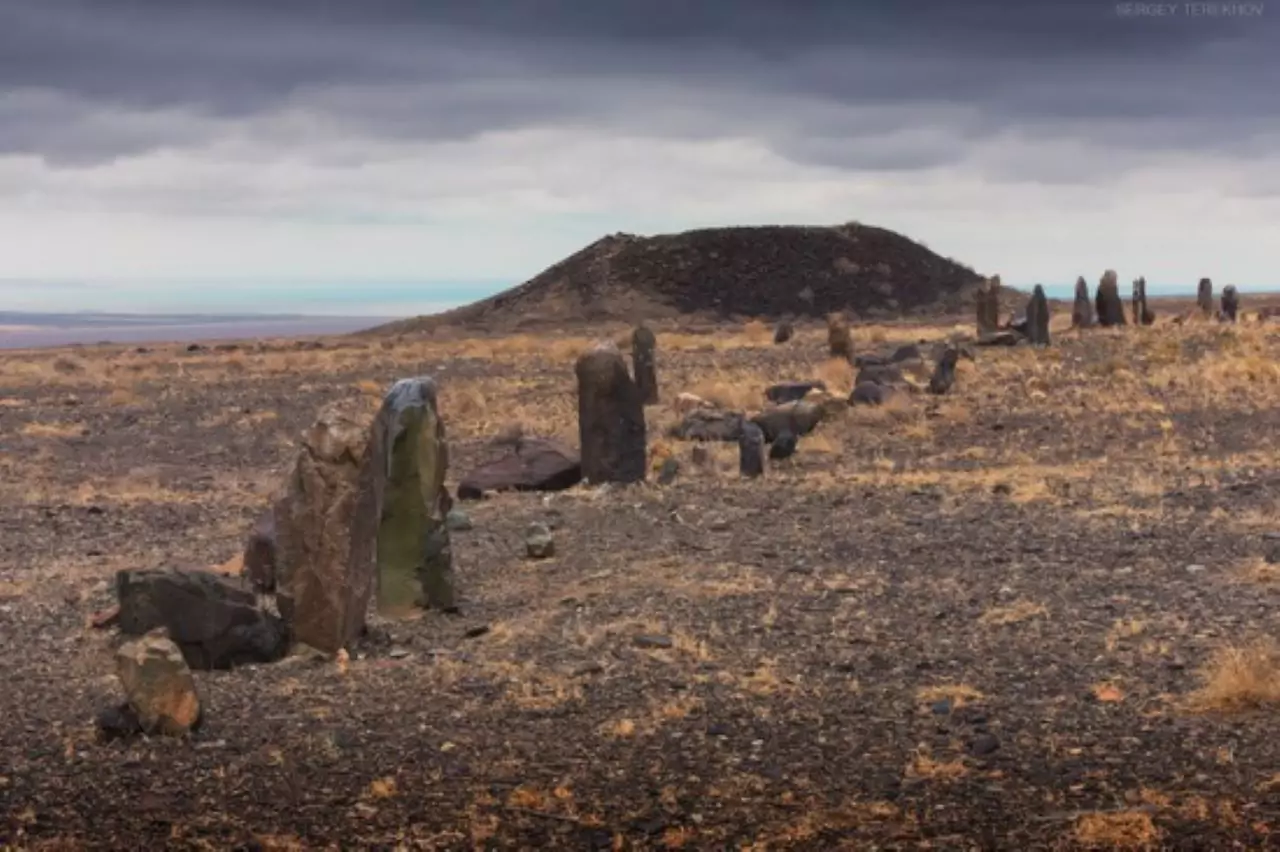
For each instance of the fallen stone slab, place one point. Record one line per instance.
(533, 464)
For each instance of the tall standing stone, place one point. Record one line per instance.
(1038, 317)
(326, 531)
(409, 456)
(1230, 303)
(944, 373)
(611, 426)
(1108, 302)
(839, 340)
(1082, 308)
(988, 305)
(1142, 314)
(751, 451)
(1204, 296)
(644, 362)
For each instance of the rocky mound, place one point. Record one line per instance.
(766, 271)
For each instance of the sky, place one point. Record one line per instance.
(389, 154)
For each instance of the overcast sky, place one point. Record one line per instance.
(298, 142)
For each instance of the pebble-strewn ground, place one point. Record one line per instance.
(1035, 613)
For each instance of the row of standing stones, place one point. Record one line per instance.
(1105, 309)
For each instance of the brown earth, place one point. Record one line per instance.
(719, 273)
(1036, 613)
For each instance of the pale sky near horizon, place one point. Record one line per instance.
(145, 143)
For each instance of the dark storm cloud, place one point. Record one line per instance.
(82, 80)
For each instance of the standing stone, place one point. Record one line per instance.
(839, 340)
(751, 451)
(988, 303)
(611, 425)
(644, 362)
(1038, 318)
(1230, 303)
(1107, 300)
(410, 456)
(944, 374)
(1204, 297)
(158, 686)
(1082, 309)
(327, 530)
(784, 332)
(1142, 313)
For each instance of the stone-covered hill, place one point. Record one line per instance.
(765, 271)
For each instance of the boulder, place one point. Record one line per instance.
(944, 374)
(215, 624)
(158, 685)
(882, 374)
(783, 447)
(644, 363)
(1230, 303)
(327, 530)
(751, 451)
(870, 393)
(1204, 296)
(1001, 338)
(708, 424)
(791, 391)
(799, 418)
(1038, 318)
(410, 457)
(909, 352)
(611, 424)
(1107, 301)
(532, 464)
(1082, 307)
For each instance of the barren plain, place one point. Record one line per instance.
(1037, 612)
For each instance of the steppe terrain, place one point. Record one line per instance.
(1038, 612)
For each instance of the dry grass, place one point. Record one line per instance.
(959, 694)
(1259, 570)
(1014, 613)
(1120, 830)
(1239, 678)
(52, 430)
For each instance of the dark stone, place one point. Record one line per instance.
(117, 723)
(708, 424)
(476, 632)
(880, 374)
(870, 393)
(1107, 301)
(1082, 308)
(783, 447)
(215, 624)
(784, 332)
(652, 640)
(1230, 303)
(644, 363)
(411, 458)
(1204, 296)
(262, 553)
(988, 305)
(870, 360)
(791, 391)
(533, 464)
(699, 456)
(668, 472)
(799, 418)
(751, 451)
(839, 340)
(1142, 314)
(611, 424)
(1001, 338)
(195, 347)
(984, 745)
(944, 374)
(1038, 318)
(908, 352)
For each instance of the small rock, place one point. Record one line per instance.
(1195, 569)
(668, 472)
(538, 543)
(158, 684)
(118, 723)
(652, 640)
(458, 520)
(984, 744)
(700, 455)
(398, 653)
(476, 632)
(941, 708)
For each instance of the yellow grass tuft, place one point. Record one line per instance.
(1239, 678)
(1119, 830)
(52, 430)
(1259, 570)
(1015, 613)
(959, 694)
(837, 374)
